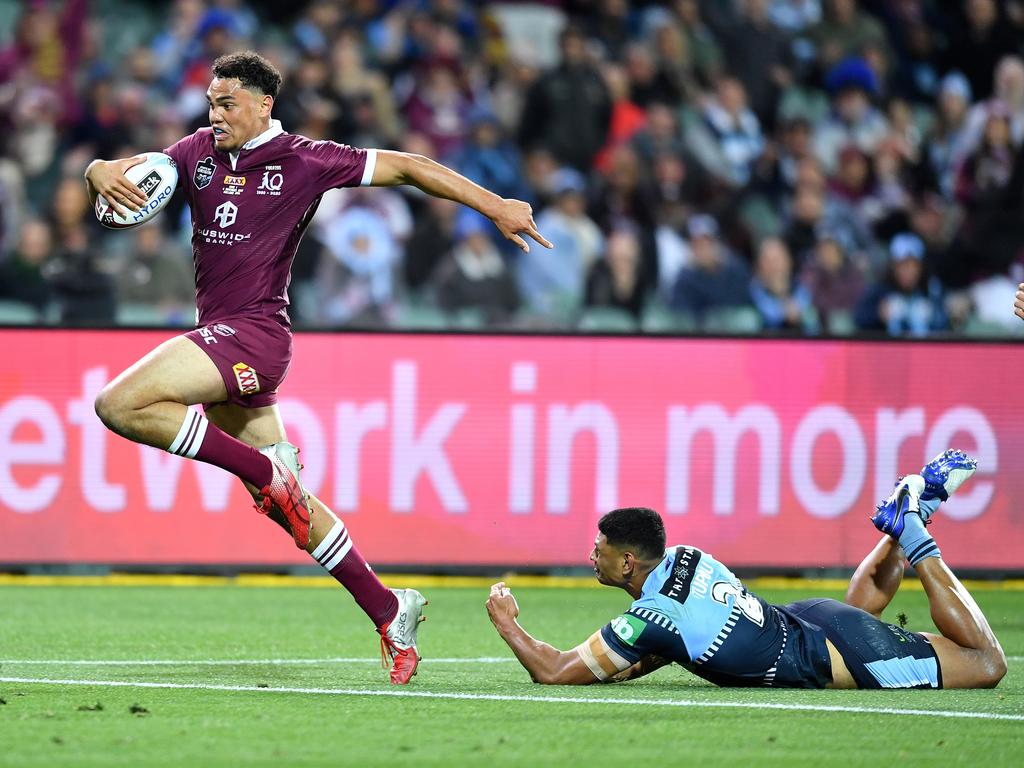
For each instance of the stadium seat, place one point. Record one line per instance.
(986, 329)
(607, 319)
(421, 317)
(840, 323)
(733, 320)
(657, 318)
(18, 313)
(468, 318)
(141, 314)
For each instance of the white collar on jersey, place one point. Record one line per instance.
(275, 129)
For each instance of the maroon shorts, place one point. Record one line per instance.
(252, 355)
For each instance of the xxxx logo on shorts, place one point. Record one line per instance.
(245, 375)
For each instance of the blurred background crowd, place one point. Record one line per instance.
(723, 166)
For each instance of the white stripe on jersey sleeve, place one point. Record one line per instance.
(371, 163)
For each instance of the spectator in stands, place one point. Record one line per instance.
(781, 300)
(758, 55)
(794, 16)
(844, 32)
(489, 159)
(949, 142)
(812, 210)
(432, 237)
(699, 40)
(309, 94)
(366, 90)
(627, 118)
(439, 108)
(834, 283)
(82, 285)
(907, 301)
(548, 283)
(22, 274)
(614, 280)
(648, 82)
(157, 272)
(854, 119)
(975, 47)
(989, 188)
(715, 278)
(475, 276)
(356, 278)
(1008, 96)
(728, 140)
(660, 135)
(568, 109)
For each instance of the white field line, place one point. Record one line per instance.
(233, 662)
(404, 693)
(256, 662)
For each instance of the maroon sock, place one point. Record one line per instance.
(199, 439)
(338, 555)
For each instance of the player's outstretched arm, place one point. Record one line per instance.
(106, 177)
(513, 218)
(545, 663)
(1018, 303)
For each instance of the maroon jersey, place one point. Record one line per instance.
(249, 211)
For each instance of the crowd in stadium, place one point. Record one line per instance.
(803, 166)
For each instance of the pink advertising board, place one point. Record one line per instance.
(505, 450)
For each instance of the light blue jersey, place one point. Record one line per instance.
(694, 611)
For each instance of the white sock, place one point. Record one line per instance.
(335, 545)
(190, 436)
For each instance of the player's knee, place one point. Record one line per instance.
(994, 667)
(110, 408)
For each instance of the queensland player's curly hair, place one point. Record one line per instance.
(637, 528)
(253, 71)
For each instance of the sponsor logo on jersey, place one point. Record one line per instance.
(233, 185)
(203, 174)
(245, 375)
(226, 214)
(677, 585)
(271, 182)
(216, 237)
(628, 628)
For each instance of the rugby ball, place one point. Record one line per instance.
(157, 177)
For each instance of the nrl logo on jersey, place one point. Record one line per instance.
(272, 181)
(203, 174)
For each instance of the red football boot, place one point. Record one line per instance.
(398, 636)
(285, 492)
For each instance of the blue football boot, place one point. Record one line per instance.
(944, 474)
(905, 500)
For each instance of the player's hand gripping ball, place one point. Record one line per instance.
(157, 177)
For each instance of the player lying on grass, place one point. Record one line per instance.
(690, 609)
(252, 189)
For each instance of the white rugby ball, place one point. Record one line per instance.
(157, 177)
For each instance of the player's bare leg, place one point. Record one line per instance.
(969, 653)
(395, 613)
(149, 403)
(878, 577)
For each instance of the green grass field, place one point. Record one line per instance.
(286, 677)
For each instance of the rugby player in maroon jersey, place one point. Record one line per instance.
(252, 189)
